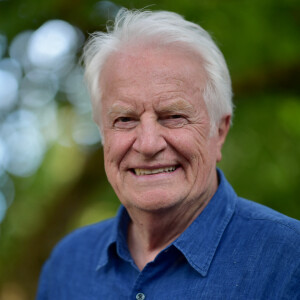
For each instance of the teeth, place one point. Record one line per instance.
(153, 171)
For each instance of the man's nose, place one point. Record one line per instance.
(149, 140)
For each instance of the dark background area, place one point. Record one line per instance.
(51, 166)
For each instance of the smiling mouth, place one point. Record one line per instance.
(140, 172)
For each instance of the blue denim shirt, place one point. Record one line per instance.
(235, 249)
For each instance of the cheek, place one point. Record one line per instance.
(192, 142)
(117, 145)
(110, 157)
(198, 149)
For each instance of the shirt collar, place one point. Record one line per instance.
(117, 238)
(200, 240)
(198, 243)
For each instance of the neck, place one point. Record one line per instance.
(151, 232)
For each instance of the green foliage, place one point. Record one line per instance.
(262, 151)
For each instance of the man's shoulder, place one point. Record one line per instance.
(86, 238)
(263, 216)
(75, 257)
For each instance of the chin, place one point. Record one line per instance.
(155, 203)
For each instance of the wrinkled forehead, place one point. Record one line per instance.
(164, 65)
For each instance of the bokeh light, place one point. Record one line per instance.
(10, 74)
(85, 131)
(76, 91)
(3, 154)
(17, 46)
(106, 10)
(25, 145)
(53, 45)
(40, 75)
(38, 88)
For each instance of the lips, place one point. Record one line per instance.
(140, 172)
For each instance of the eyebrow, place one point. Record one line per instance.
(118, 109)
(177, 106)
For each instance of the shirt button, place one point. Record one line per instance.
(140, 296)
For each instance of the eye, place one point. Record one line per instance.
(175, 117)
(124, 119)
(125, 122)
(173, 121)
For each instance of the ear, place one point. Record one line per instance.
(222, 131)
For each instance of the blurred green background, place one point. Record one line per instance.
(51, 167)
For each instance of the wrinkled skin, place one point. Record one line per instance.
(154, 116)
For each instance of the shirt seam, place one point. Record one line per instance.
(269, 220)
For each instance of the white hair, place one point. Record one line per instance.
(165, 28)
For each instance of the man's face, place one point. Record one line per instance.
(158, 150)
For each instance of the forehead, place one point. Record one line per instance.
(152, 72)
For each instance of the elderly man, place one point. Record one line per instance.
(161, 96)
